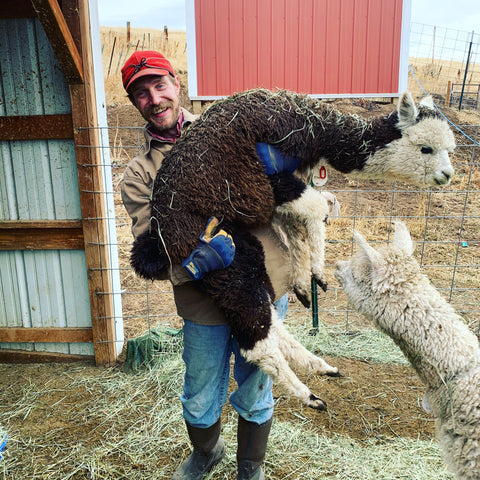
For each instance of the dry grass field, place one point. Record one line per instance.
(80, 422)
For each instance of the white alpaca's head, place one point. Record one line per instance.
(421, 156)
(372, 276)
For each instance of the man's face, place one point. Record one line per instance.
(157, 99)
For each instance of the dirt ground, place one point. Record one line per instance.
(59, 417)
(369, 400)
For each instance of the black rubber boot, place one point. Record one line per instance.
(208, 450)
(252, 445)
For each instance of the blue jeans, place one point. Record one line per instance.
(206, 353)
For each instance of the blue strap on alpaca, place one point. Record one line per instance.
(274, 161)
(214, 252)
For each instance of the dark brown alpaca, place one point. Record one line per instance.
(214, 170)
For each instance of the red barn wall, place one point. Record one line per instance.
(327, 48)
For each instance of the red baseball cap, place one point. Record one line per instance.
(146, 62)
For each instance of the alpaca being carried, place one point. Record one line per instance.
(215, 170)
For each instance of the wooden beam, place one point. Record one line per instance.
(197, 106)
(36, 127)
(92, 204)
(70, 9)
(55, 26)
(16, 9)
(22, 356)
(42, 235)
(47, 335)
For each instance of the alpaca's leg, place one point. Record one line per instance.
(311, 210)
(148, 257)
(288, 189)
(268, 356)
(300, 258)
(243, 294)
(298, 356)
(303, 221)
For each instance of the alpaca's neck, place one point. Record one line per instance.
(347, 141)
(310, 129)
(432, 336)
(349, 144)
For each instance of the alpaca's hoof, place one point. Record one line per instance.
(321, 283)
(302, 297)
(316, 403)
(338, 373)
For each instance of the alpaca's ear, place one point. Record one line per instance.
(407, 111)
(427, 102)
(374, 258)
(402, 238)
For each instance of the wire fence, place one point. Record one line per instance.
(446, 63)
(445, 225)
(444, 222)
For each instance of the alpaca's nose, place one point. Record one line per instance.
(445, 176)
(444, 170)
(448, 174)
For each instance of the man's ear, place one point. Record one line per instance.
(130, 97)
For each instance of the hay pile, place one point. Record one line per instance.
(80, 422)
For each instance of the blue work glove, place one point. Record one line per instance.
(214, 252)
(274, 161)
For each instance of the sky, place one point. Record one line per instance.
(455, 14)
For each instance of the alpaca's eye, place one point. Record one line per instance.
(427, 149)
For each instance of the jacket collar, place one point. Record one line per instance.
(188, 118)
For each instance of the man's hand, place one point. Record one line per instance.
(214, 252)
(274, 161)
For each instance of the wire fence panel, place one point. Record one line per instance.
(444, 222)
(446, 63)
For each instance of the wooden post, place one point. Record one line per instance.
(111, 56)
(449, 92)
(197, 106)
(93, 208)
(128, 32)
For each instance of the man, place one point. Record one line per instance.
(153, 88)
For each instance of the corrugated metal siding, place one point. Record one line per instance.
(32, 80)
(320, 47)
(38, 181)
(45, 289)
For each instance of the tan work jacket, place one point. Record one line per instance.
(136, 187)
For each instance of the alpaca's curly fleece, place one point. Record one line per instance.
(214, 170)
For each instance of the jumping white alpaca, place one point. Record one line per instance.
(386, 285)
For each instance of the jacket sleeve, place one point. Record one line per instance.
(136, 198)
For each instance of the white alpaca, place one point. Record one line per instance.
(386, 285)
